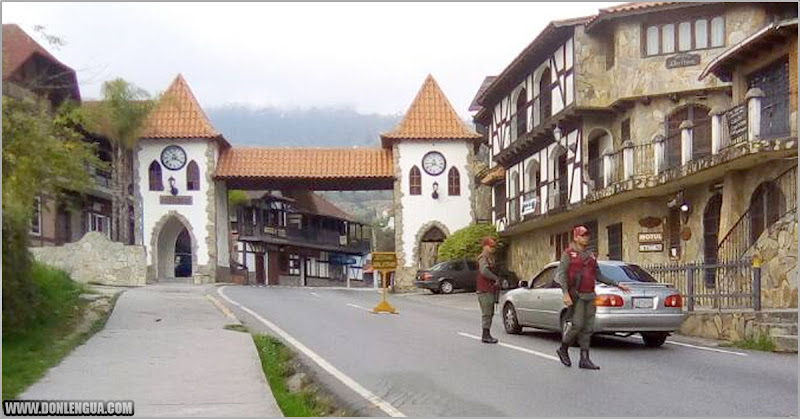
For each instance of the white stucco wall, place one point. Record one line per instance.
(153, 211)
(418, 210)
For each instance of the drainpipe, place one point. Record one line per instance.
(686, 141)
(754, 98)
(718, 140)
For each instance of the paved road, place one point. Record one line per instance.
(423, 362)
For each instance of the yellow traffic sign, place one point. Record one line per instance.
(384, 306)
(384, 261)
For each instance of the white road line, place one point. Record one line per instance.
(346, 380)
(519, 348)
(357, 306)
(703, 348)
(315, 294)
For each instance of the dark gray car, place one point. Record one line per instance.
(445, 277)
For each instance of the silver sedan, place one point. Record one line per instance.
(652, 309)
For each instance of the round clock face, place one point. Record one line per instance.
(173, 157)
(434, 163)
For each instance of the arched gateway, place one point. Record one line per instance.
(190, 213)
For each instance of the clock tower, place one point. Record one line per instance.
(181, 210)
(433, 151)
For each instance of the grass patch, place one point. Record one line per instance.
(235, 328)
(29, 353)
(758, 343)
(276, 360)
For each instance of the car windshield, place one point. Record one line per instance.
(440, 267)
(625, 273)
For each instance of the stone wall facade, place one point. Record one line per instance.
(97, 260)
(777, 248)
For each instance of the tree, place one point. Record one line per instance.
(120, 117)
(466, 243)
(42, 156)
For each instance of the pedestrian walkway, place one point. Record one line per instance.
(164, 347)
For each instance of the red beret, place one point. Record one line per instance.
(579, 231)
(488, 241)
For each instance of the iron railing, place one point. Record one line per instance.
(643, 160)
(742, 236)
(728, 285)
(557, 195)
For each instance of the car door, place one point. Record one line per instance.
(455, 269)
(551, 302)
(471, 275)
(528, 302)
(540, 307)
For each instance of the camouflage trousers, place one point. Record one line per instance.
(486, 301)
(581, 316)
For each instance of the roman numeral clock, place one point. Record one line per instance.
(434, 163)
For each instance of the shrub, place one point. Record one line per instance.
(466, 243)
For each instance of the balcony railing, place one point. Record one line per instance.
(557, 194)
(643, 160)
(307, 236)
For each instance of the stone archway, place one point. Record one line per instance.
(429, 237)
(171, 232)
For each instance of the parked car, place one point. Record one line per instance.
(651, 309)
(445, 277)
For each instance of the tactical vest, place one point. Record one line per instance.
(581, 274)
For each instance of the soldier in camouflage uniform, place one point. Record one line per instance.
(487, 286)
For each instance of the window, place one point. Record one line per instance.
(192, 177)
(717, 32)
(625, 273)
(521, 115)
(36, 221)
(668, 39)
(415, 181)
(545, 279)
(500, 199)
(99, 223)
(294, 264)
(560, 242)
(683, 36)
(615, 241)
(156, 183)
(453, 182)
(610, 51)
(626, 130)
(545, 93)
(592, 226)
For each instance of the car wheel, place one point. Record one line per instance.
(446, 287)
(510, 320)
(654, 339)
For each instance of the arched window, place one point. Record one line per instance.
(545, 93)
(766, 205)
(453, 182)
(156, 183)
(522, 114)
(192, 176)
(534, 177)
(415, 181)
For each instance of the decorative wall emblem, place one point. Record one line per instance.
(650, 222)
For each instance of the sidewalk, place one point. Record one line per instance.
(164, 347)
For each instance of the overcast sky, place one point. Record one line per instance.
(371, 57)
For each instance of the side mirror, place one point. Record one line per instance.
(523, 284)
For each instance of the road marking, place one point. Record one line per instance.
(703, 348)
(519, 348)
(315, 294)
(357, 306)
(346, 380)
(221, 307)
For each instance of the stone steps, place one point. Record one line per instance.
(785, 343)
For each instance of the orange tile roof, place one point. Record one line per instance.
(309, 163)
(178, 115)
(430, 116)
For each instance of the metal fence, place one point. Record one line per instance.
(644, 160)
(729, 285)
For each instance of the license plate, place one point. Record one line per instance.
(643, 302)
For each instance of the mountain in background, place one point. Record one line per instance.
(314, 127)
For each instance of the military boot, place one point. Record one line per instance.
(586, 363)
(563, 355)
(487, 337)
